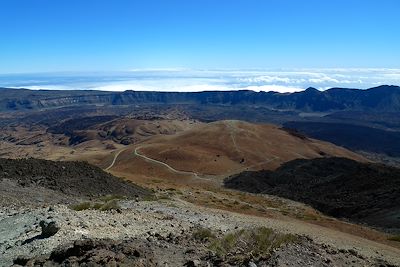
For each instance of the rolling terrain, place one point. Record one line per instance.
(90, 137)
(120, 130)
(177, 149)
(226, 147)
(325, 115)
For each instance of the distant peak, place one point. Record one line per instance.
(386, 87)
(311, 90)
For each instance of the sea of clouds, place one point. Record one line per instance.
(188, 80)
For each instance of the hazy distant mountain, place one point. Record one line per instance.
(382, 98)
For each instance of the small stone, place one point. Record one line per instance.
(252, 264)
(21, 260)
(192, 263)
(49, 228)
(190, 250)
(353, 252)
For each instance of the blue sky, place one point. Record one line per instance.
(120, 35)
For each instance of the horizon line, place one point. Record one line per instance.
(201, 91)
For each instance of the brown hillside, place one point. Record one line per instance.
(226, 147)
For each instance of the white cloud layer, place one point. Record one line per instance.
(176, 79)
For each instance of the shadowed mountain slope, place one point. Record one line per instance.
(362, 192)
(71, 178)
(352, 136)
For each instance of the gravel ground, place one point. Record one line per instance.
(154, 221)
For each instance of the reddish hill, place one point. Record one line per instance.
(226, 147)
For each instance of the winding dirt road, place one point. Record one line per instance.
(194, 174)
(164, 164)
(115, 158)
(137, 153)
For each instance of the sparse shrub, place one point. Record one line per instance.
(108, 146)
(164, 196)
(295, 133)
(394, 238)
(285, 212)
(111, 197)
(308, 217)
(96, 206)
(168, 217)
(103, 206)
(110, 205)
(203, 234)
(151, 197)
(245, 207)
(257, 242)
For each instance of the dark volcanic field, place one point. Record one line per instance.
(352, 136)
(70, 178)
(343, 188)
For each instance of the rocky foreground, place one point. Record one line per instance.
(172, 232)
(70, 214)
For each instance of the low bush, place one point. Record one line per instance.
(103, 206)
(394, 238)
(257, 242)
(203, 234)
(110, 205)
(111, 197)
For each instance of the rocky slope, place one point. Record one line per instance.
(67, 180)
(175, 233)
(340, 187)
(39, 226)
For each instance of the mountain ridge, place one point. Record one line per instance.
(381, 98)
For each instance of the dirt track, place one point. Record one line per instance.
(136, 152)
(115, 159)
